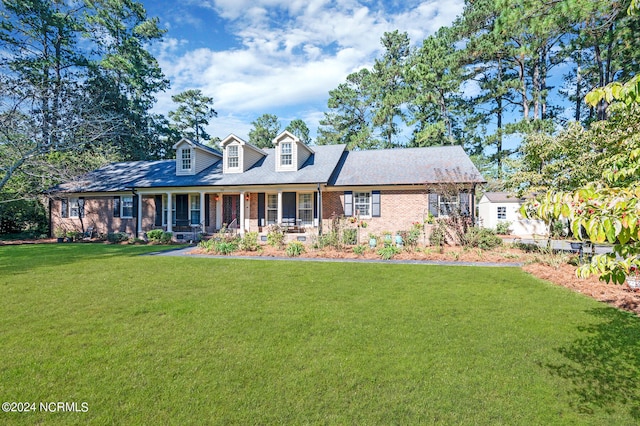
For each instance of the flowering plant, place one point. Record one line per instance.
(362, 224)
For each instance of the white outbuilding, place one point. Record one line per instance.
(496, 207)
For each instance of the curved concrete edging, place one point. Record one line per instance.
(187, 252)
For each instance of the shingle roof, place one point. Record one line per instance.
(404, 166)
(502, 197)
(151, 174)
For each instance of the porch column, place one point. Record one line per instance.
(169, 216)
(279, 207)
(241, 218)
(139, 218)
(202, 211)
(219, 211)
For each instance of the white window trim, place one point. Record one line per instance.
(503, 214)
(183, 159)
(267, 209)
(196, 198)
(122, 215)
(310, 209)
(289, 155)
(444, 200)
(74, 203)
(235, 157)
(356, 210)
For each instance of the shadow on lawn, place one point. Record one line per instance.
(17, 259)
(604, 367)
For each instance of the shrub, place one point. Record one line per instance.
(359, 249)
(295, 249)
(249, 242)
(330, 239)
(388, 251)
(275, 236)
(159, 236)
(350, 236)
(502, 228)
(439, 233)
(225, 247)
(483, 238)
(412, 237)
(117, 237)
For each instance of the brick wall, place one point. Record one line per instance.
(398, 210)
(98, 213)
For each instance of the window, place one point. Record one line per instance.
(195, 209)
(285, 154)
(448, 204)
(127, 206)
(76, 207)
(362, 203)
(186, 159)
(502, 212)
(272, 209)
(305, 208)
(232, 158)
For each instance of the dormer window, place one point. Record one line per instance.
(232, 158)
(186, 159)
(285, 154)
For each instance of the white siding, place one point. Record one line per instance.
(249, 158)
(204, 159)
(488, 218)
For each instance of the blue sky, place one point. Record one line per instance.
(278, 56)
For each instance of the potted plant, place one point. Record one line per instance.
(373, 242)
(387, 238)
(59, 233)
(399, 240)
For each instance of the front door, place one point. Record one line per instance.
(289, 208)
(182, 210)
(231, 210)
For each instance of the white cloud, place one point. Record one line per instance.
(291, 53)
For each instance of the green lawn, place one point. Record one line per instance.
(164, 340)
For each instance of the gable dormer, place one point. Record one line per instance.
(238, 155)
(291, 152)
(193, 157)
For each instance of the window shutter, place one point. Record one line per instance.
(348, 203)
(116, 206)
(64, 207)
(464, 203)
(158, 203)
(315, 205)
(261, 209)
(375, 203)
(433, 204)
(207, 209)
(135, 206)
(81, 207)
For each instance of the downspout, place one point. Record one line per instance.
(137, 204)
(319, 210)
(50, 218)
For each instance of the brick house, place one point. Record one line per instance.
(297, 186)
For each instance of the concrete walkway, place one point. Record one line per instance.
(187, 252)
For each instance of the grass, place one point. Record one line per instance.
(166, 340)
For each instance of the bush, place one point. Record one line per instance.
(225, 247)
(117, 237)
(388, 251)
(439, 234)
(412, 237)
(249, 242)
(275, 236)
(350, 236)
(359, 249)
(295, 249)
(159, 236)
(330, 239)
(482, 238)
(502, 228)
